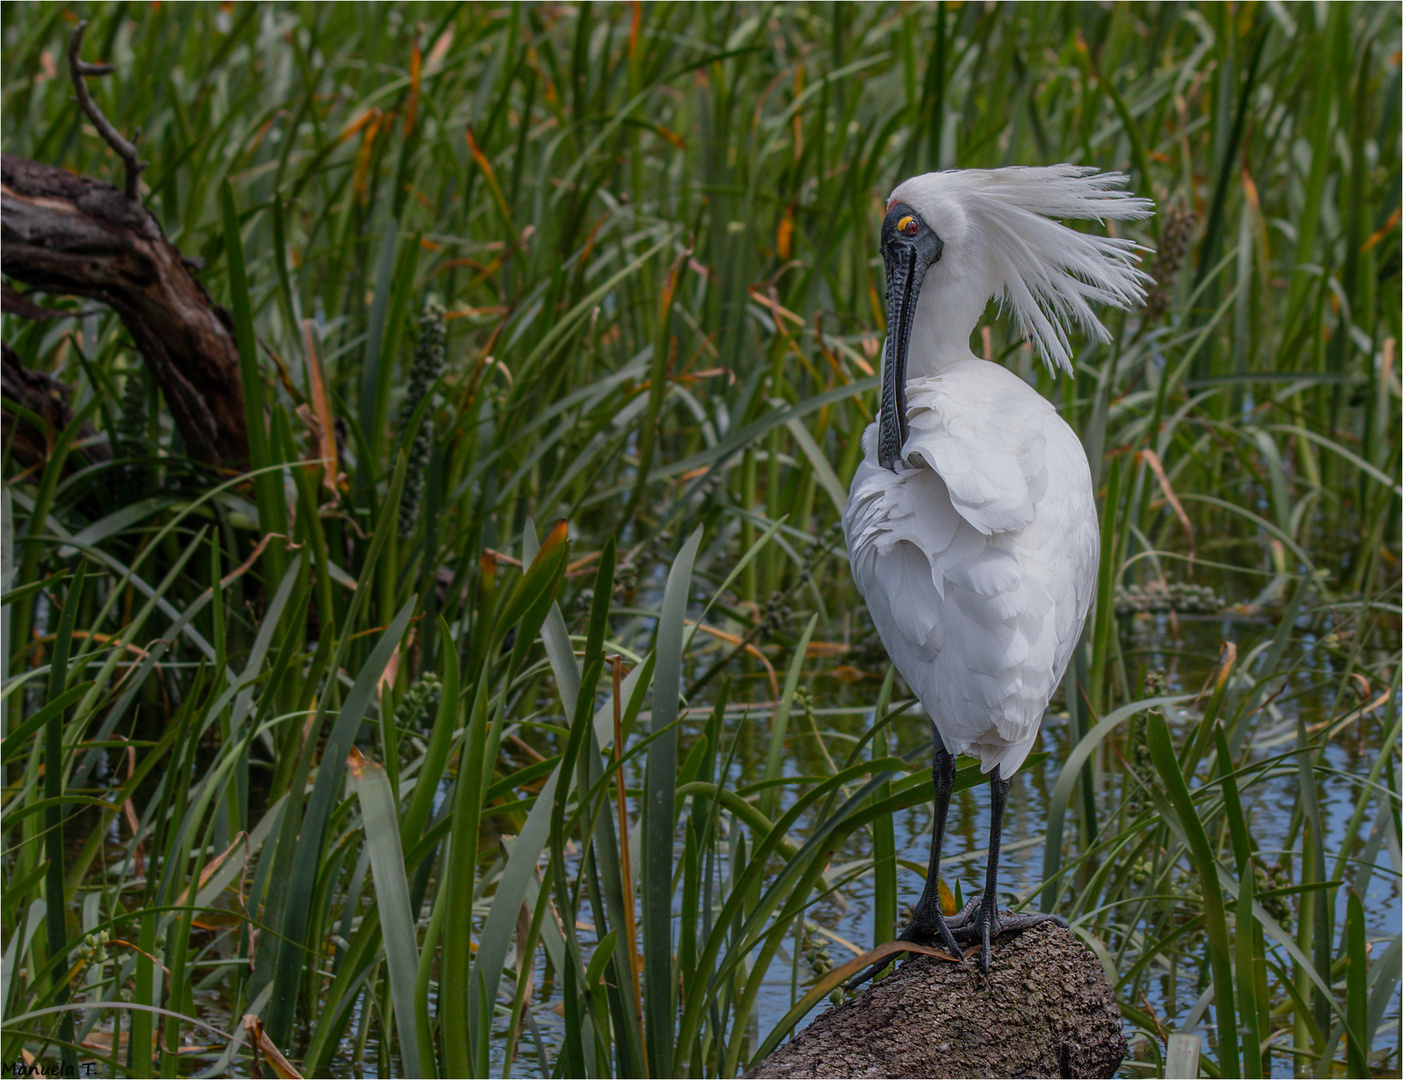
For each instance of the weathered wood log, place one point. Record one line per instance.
(47, 399)
(1045, 1009)
(76, 236)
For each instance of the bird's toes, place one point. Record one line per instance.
(1011, 922)
(949, 944)
(972, 932)
(965, 914)
(972, 927)
(932, 932)
(921, 932)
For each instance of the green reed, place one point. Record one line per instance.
(378, 778)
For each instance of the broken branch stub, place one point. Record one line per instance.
(126, 150)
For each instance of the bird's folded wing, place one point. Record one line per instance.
(984, 437)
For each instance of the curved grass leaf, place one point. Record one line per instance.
(1206, 867)
(1061, 796)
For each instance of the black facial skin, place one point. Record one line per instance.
(908, 253)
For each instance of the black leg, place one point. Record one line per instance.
(998, 798)
(980, 921)
(927, 914)
(927, 919)
(982, 924)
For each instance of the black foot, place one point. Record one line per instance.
(929, 929)
(969, 926)
(974, 927)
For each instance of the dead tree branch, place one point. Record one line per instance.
(124, 149)
(71, 235)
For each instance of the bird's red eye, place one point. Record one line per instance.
(907, 225)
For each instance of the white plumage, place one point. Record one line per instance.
(971, 522)
(977, 581)
(977, 557)
(1004, 244)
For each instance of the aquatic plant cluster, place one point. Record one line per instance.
(510, 710)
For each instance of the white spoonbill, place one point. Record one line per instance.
(971, 523)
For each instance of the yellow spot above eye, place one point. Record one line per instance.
(907, 225)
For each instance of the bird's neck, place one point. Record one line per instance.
(946, 315)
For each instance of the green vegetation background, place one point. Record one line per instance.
(653, 231)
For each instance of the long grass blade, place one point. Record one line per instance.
(56, 910)
(659, 817)
(1356, 986)
(381, 824)
(1206, 867)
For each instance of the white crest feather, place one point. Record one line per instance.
(1046, 272)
